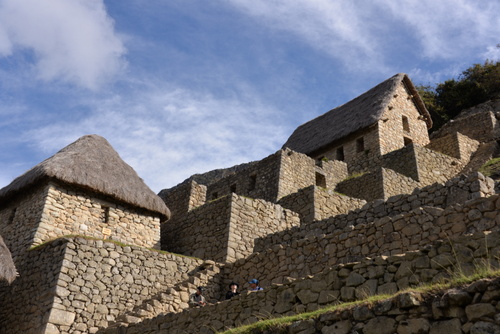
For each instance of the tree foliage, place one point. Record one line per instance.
(479, 83)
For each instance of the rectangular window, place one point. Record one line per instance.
(233, 188)
(105, 214)
(406, 124)
(215, 195)
(320, 180)
(340, 154)
(360, 145)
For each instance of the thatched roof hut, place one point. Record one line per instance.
(8, 270)
(91, 163)
(357, 114)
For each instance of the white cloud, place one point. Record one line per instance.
(449, 28)
(72, 40)
(342, 29)
(492, 53)
(167, 135)
(366, 34)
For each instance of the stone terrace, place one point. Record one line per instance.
(340, 283)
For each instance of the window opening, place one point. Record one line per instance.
(105, 214)
(360, 145)
(340, 154)
(215, 195)
(320, 180)
(406, 124)
(233, 188)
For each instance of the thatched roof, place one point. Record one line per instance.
(357, 114)
(8, 270)
(91, 163)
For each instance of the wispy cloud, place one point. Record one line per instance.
(343, 30)
(167, 134)
(365, 35)
(72, 41)
(449, 29)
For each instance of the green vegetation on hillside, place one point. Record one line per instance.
(491, 168)
(479, 83)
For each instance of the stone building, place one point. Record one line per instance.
(388, 117)
(85, 231)
(84, 189)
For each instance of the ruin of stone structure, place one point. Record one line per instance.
(359, 201)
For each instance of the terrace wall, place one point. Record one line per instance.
(316, 203)
(342, 283)
(224, 230)
(80, 285)
(457, 190)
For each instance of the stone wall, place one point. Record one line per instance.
(455, 145)
(251, 219)
(276, 176)
(360, 150)
(295, 255)
(403, 161)
(334, 170)
(464, 309)
(26, 303)
(381, 183)
(405, 169)
(316, 203)
(457, 190)
(224, 230)
(297, 171)
(87, 284)
(481, 126)
(19, 220)
(342, 283)
(423, 165)
(71, 211)
(184, 197)
(392, 131)
(394, 183)
(202, 232)
(259, 180)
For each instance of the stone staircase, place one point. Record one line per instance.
(174, 299)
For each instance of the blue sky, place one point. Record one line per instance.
(184, 87)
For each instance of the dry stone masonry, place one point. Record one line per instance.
(357, 202)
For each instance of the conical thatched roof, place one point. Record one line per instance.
(8, 270)
(91, 163)
(357, 114)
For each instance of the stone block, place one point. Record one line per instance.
(380, 325)
(61, 317)
(452, 326)
(477, 311)
(413, 326)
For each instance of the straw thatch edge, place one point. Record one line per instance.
(8, 270)
(91, 163)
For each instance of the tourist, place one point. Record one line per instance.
(254, 285)
(233, 290)
(196, 299)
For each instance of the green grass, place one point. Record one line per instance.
(457, 280)
(116, 242)
(491, 167)
(353, 176)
